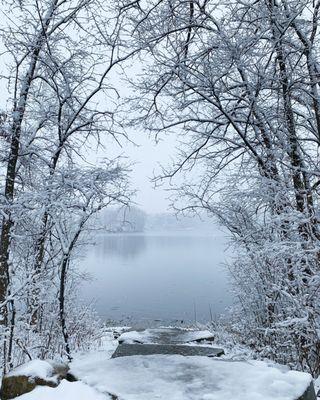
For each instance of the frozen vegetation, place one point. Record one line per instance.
(237, 83)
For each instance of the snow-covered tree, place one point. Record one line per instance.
(62, 60)
(239, 81)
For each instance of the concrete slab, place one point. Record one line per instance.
(124, 350)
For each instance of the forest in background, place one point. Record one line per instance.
(135, 220)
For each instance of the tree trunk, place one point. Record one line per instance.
(63, 277)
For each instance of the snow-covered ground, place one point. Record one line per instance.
(173, 377)
(177, 377)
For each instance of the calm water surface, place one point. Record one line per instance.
(158, 276)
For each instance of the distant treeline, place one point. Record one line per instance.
(134, 219)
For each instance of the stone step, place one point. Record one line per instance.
(125, 349)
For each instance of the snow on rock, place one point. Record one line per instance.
(26, 377)
(130, 337)
(65, 391)
(195, 336)
(35, 368)
(118, 330)
(173, 377)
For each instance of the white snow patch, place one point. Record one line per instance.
(176, 377)
(145, 336)
(65, 391)
(88, 361)
(107, 343)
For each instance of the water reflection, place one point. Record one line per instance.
(123, 246)
(158, 276)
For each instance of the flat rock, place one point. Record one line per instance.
(125, 349)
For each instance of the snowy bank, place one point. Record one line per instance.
(170, 377)
(175, 377)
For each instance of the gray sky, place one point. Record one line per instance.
(146, 156)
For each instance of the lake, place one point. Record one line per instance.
(158, 277)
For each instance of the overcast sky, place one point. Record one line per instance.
(147, 156)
